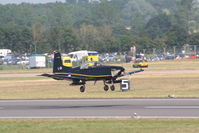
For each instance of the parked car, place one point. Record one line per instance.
(109, 58)
(154, 58)
(25, 62)
(192, 57)
(170, 57)
(1, 61)
(10, 60)
(140, 64)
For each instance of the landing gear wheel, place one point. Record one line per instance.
(82, 88)
(106, 88)
(112, 87)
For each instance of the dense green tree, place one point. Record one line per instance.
(38, 33)
(109, 45)
(2, 38)
(108, 26)
(137, 9)
(104, 32)
(194, 39)
(104, 13)
(81, 13)
(164, 4)
(25, 40)
(143, 42)
(56, 38)
(70, 40)
(87, 35)
(177, 36)
(18, 39)
(125, 43)
(158, 26)
(184, 13)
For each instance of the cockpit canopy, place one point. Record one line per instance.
(90, 64)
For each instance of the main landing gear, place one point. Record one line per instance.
(82, 88)
(112, 87)
(106, 87)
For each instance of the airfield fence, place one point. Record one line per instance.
(186, 50)
(175, 50)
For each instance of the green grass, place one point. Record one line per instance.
(101, 126)
(157, 65)
(41, 70)
(20, 78)
(11, 67)
(142, 85)
(145, 84)
(175, 65)
(169, 65)
(21, 69)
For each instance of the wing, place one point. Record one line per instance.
(61, 77)
(131, 72)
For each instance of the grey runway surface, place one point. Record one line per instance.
(100, 108)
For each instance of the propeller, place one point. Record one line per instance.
(115, 72)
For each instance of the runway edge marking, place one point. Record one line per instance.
(103, 117)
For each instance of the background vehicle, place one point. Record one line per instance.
(78, 55)
(140, 64)
(37, 61)
(1, 61)
(5, 52)
(67, 61)
(89, 59)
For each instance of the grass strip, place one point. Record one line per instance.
(100, 126)
(21, 78)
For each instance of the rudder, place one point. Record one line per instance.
(57, 64)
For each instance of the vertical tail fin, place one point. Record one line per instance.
(57, 64)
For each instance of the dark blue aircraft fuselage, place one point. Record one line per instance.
(91, 73)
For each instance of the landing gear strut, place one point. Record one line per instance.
(106, 87)
(82, 88)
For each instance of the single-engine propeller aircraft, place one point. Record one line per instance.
(87, 72)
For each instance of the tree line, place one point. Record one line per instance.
(108, 26)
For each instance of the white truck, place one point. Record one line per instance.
(5, 52)
(37, 61)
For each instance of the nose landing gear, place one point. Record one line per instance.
(112, 87)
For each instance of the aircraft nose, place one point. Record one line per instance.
(121, 69)
(117, 71)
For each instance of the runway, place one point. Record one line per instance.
(100, 108)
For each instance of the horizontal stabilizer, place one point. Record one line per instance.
(57, 77)
(137, 71)
(132, 72)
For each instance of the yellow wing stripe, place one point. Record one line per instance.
(85, 75)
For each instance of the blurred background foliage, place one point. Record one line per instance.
(108, 26)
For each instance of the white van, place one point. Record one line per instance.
(5, 52)
(78, 55)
